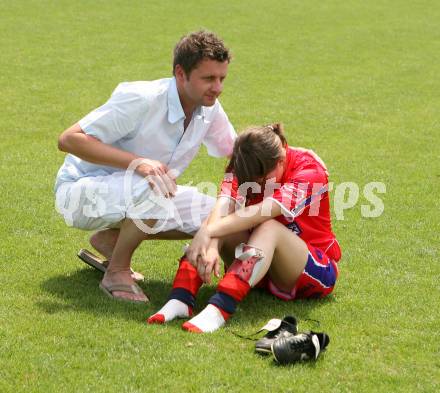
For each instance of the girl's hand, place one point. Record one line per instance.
(198, 247)
(209, 265)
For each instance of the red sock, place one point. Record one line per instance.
(231, 290)
(187, 277)
(234, 286)
(185, 287)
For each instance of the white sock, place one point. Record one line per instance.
(172, 309)
(207, 321)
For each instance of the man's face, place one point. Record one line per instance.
(204, 84)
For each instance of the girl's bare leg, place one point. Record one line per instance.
(282, 254)
(285, 254)
(181, 301)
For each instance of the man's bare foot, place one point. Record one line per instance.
(104, 241)
(122, 277)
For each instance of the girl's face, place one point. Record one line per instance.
(277, 172)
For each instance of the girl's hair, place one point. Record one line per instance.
(257, 151)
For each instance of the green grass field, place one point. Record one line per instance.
(357, 81)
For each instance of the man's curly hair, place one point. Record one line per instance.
(198, 46)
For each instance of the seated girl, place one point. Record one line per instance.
(271, 225)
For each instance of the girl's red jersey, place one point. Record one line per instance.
(303, 197)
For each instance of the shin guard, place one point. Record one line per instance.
(248, 263)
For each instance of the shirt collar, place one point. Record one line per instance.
(175, 110)
(199, 112)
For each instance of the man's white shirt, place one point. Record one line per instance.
(146, 118)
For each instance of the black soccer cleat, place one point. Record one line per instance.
(287, 327)
(299, 347)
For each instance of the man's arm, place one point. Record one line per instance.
(220, 136)
(75, 141)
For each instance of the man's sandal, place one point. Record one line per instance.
(101, 265)
(134, 289)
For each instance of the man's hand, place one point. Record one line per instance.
(158, 176)
(76, 142)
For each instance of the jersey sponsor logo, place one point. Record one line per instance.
(293, 226)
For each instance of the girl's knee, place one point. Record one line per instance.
(267, 228)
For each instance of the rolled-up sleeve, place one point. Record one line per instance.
(119, 116)
(220, 136)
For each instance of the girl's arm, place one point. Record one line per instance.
(201, 242)
(242, 219)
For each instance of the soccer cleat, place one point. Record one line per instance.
(277, 328)
(299, 347)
